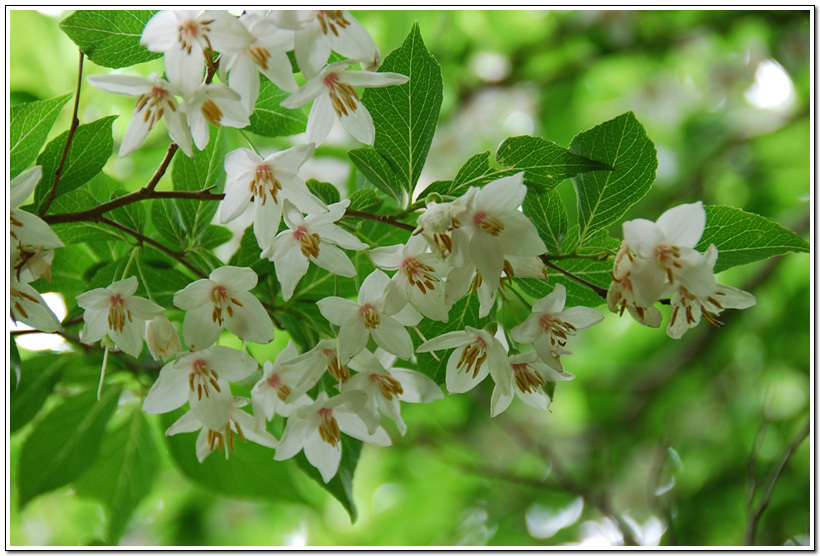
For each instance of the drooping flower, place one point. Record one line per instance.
(318, 429)
(665, 254)
(265, 184)
(320, 31)
(25, 303)
(266, 54)
(480, 354)
(333, 90)
(156, 99)
(271, 394)
(313, 238)
(223, 300)
(221, 421)
(530, 376)
(438, 221)
(116, 312)
(550, 325)
(689, 307)
(25, 228)
(162, 338)
(491, 227)
(621, 293)
(323, 357)
(216, 104)
(197, 375)
(359, 320)
(386, 386)
(419, 279)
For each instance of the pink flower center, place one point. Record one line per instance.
(370, 315)
(343, 97)
(473, 356)
(419, 274)
(337, 370)
(487, 223)
(557, 329)
(264, 183)
(222, 301)
(308, 242)
(282, 389)
(117, 313)
(152, 105)
(387, 385)
(526, 378)
(329, 428)
(667, 258)
(202, 379)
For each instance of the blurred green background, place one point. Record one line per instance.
(665, 433)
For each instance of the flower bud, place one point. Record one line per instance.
(162, 338)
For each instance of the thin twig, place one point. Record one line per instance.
(75, 123)
(385, 219)
(600, 291)
(163, 166)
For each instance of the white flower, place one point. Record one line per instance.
(530, 375)
(26, 228)
(492, 227)
(466, 366)
(333, 89)
(386, 386)
(266, 183)
(182, 35)
(221, 422)
(267, 54)
(223, 299)
(25, 303)
(665, 254)
(688, 307)
(419, 276)
(314, 238)
(438, 221)
(621, 293)
(196, 375)
(324, 356)
(162, 338)
(156, 98)
(550, 326)
(357, 321)
(318, 429)
(214, 103)
(115, 311)
(320, 31)
(270, 395)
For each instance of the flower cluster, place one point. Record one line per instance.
(658, 260)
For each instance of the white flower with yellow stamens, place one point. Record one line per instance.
(216, 104)
(223, 300)
(333, 90)
(279, 379)
(530, 374)
(621, 293)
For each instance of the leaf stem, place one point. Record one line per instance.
(383, 218)
(75, 123)
(129, 263)
(600, 291)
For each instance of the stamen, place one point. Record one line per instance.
(329, 428)
(387, 385)
(370, 315)
(527, 379)
(487, 223)
(211, 112)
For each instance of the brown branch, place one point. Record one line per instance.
(153, 243)
(383, 218)
(600, 291)
(75, 123)
(172, 149)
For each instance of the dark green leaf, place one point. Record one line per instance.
(269, 119)
(100, 189)
(28, 130)
(15, 368)
(132, 215)
(65, 443)
(549, 215)
(341, 485)
(377, 169)
(90, 149)
(327, 192)
(744, 237)
(168, 222)
(158, 280)
(214, 236)
(365, 200)
(605, 196)
(123, 473)
(406, 116)
(110, 38)
(249, 254)
(41, 374)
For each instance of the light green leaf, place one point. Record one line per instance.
(214, 236)
(168, 222)
(549, 215)
(364, 200)
(90, 149)
(133, 215)
(65, 443)
(100, 189)
(158, 280)
(35, 385)
(744, 237)
(327, 192)
(15, 365)
(249, 255)
(123, 473)
(341, 485)
(269, 119)
(110, 38)
(28, 130)
(378, 170)
(406, 116)
(605, 196)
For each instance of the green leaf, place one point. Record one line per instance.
(167, 220)
(133, 215)
(744, 237)
(15, 365)
(249, 255)
(100, 189)
(406, 116)
(158, 280)
(35, 385)
(365, 200)
(90, 149)
(545, 164)
(206, 169)
(341, 485)
(549, 215)
(463, 313)
(110, 38)
(214, 236)
(605, 196)
(123, 473)
(377, 169)
(250, 471)
(327, 192)
(28, 130)
(269, 118)
(65, 443)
